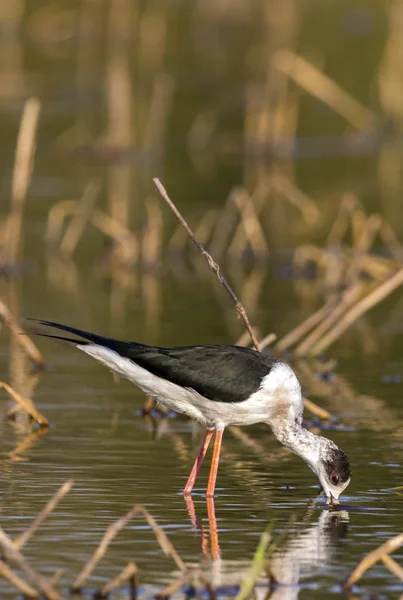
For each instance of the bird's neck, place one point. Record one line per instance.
(298, 439)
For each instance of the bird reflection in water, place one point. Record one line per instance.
(302, 553)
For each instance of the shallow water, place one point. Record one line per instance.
(119, 458)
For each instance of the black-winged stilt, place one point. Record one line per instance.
(220, 386)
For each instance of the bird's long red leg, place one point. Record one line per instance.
(198, 462)
(214, 463)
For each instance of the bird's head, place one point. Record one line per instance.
(333, 470)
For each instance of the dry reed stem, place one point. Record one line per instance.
(56, 215)
(45, 512)
(347, 299)
(21, 585)
(319, 85)
(378, 268)
(80, 219)
(371, 558)
(300, 330)
(205, 226)
(316, 410)
(247, 208)
(23, 165)
(41, 583)
(160, 105)
(213, 265)
(363, 245)
(128, 573)
(253, 233)
(162, 539)
(28, 345)
(225, 224)
(305, 204)
(56, 576)
(153, 234)
(393, 566)
(148, 405)
(173, 587)
(340, 225)
(307, 252)
(390, 240)
(113, 530)
(31, 410)
(110, 533)
(118, 232)
(269, 339)
(361, 307)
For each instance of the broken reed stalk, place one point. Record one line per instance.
(316, 410)
(393, 566)
(252, 229)
(306, 205)
(23, 165)
(173, 587)
(348, 298)
(113, 530)
(300, 330)
(129, 573)
(41, 583)
(371, 558)
(306, 75)
(213, 265)
(31, 410)
(21, 585)
(26, 342)
(361, 307)
(268, 339)
(83, 210)
(50, 506)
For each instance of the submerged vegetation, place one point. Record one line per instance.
(121, 61)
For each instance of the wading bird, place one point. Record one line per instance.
(221, 386)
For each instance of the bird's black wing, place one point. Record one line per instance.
(221, 373)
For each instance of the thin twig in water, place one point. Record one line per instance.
(113, 530)
(50, 506)
(31, 410)
(22, 339)
(213, 265)
(371, 558)
(129, 573)
(16, 581)
(42, 584)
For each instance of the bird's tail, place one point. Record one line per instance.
(88, 337)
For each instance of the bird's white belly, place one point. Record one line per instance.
(267, 404)
(183, 400)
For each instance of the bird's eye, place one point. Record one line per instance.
(335, 478)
